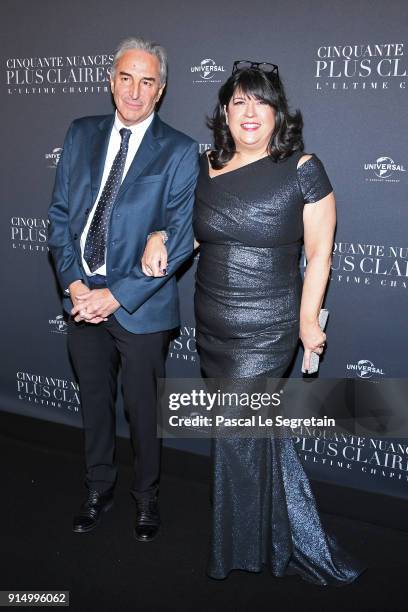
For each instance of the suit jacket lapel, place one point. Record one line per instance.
(148, 149)
(100, 142)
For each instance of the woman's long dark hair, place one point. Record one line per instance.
(287, 135)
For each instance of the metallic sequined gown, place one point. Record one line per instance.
(249, 223)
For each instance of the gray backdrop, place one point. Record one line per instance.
(344, 65)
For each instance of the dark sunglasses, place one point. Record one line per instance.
(264, 66)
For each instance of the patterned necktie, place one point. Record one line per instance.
(95, 244)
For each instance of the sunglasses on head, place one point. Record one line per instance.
(266, 67)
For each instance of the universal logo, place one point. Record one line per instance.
(58, 325)
(29, 233)
(207, 70)
(72, 74)
(365, 369)
(355, 67)
(53, 158)
(184, 346)
(48, 391)
(385, 170)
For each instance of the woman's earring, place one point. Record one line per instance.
(226, 116)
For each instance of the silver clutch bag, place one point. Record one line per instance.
(314, 357)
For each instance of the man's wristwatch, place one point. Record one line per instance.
(67, 291)
(163, 234)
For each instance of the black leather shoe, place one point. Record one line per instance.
(90, 511)
(147, 519)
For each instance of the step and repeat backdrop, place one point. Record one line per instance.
(344, 64)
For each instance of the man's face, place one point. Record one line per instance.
(136, 86)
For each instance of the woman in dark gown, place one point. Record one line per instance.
(258, 197)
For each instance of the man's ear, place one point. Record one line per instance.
(160, 92)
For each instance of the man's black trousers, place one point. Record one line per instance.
(96, 352)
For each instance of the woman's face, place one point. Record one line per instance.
(251, 122)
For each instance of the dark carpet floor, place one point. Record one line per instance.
(107, 569)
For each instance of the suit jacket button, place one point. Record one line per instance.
(87, 212)
(75, 236)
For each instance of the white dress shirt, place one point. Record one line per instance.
(138, 131)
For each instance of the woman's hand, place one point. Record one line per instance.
(313, 340)
(76, 289)
(154, 260)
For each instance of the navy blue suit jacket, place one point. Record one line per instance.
(156, 193)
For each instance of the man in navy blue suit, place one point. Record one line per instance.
(120, 177)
